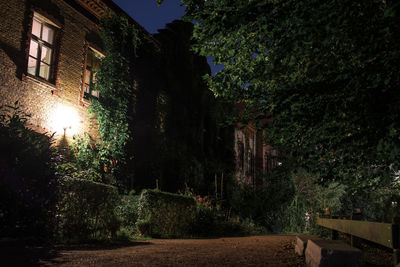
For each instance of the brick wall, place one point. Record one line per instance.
(43, 100)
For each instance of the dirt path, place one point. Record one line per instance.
(271, 250)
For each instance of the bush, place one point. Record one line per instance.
(165, 214)
(85, 152)
(127, 211)
(212, 220)
(70, 170)
(264, 204)
(87, 210)
(205, 222)
(27, 183)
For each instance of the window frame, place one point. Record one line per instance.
(84, 96)
(39, 40)
(90, 85)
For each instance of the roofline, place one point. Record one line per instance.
(115, 7)
(93, 15)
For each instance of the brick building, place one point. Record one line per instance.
(254, 157)
(50, 50)
(49, 53)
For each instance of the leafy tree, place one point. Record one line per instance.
(326, 71)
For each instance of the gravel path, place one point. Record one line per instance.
(269, 250)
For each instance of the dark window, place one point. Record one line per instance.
(41, 49)
(89, 79)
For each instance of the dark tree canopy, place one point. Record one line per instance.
(326, 70)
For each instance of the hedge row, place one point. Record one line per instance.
(163, 214)
(86, 210)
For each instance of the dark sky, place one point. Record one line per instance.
(153, 17)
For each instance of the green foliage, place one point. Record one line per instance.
(381, 204)
(264, 204)
(114, 109)
(294, 216)
(311, 200)
(86, 155)
(70, 170)
(319, 196)
(127, 211)
(326, 71)
(87, 210)
(166, 214)
(204, 224)
(212, 220)
(27, 184)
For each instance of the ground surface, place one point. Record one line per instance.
(271, 250)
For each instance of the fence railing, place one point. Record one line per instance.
(385, 234)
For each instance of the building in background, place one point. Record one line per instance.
(254, 157)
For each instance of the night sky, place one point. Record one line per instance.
(153, 17)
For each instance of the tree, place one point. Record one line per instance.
(327, 71)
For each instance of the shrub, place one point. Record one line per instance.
(86, 156)
(205, 222)
(213, 222)
(87, 210)
(70, 170)
(166, 214)
(27, 183)
(264, 204)
(292, 217)
(127, 211)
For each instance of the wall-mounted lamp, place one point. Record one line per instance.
(64, 120)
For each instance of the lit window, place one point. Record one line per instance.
(89, 79)
(41, 49)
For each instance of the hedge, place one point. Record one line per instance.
(162, 214)
(86, 210)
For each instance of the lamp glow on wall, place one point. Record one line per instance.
(64, 120)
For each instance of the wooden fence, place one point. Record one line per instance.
(385, 234)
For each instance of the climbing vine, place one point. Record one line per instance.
(114, 108)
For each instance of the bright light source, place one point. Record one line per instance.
(64, 119)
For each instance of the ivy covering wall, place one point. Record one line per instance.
(157, 119)
(115, 107)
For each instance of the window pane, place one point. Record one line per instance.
(86, 88)
(87, 76)
(89, 59)
(44, 71)
(48, 34)
(96, 63)
(33, 49)
(32, 66)
(46, 54)
(36, 26)
(94, 77)
(95, 93)
(95, 60)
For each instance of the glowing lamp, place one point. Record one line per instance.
(64, 120)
